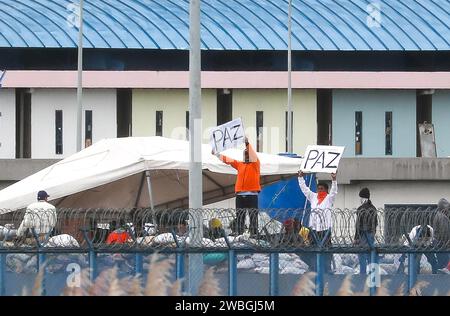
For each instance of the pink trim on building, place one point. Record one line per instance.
(232, 80)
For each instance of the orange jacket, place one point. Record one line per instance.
(248, 174)
(118, 237)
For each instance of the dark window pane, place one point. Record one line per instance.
(59, 132)
(388, 133)
(358, 133)
(159, 123)
(259, 130)
(88, 128)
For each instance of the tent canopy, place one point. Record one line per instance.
(117, 173)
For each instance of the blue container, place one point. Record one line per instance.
(286, 194)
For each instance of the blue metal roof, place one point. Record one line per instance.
(401, 25)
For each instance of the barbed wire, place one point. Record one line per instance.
(258, 230)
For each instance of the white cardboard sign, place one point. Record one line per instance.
(322, 158)
(228, 135)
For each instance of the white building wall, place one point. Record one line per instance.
(393, 192)
(7, 124)
(44, 103)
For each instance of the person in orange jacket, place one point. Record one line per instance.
(247, 187)
(118, 236)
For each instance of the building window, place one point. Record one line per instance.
(224, 106)
(88, 128)
(187, 125)
(286, 125)
(124, 112)
(23, 123)
(324, 116)
(424, 109)
(358, 133)
(159, 123)
(388, 133)
(59, 132)
(259, 130)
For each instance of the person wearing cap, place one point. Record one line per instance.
(247, 187)
(366, 226)
(39, 215)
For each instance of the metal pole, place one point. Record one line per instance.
(180, 266)
(289, 116)
(412, 270)
(80, 79)
(320, 272)
(150, 191)
(2, 274)
(274, 273)
(232, 273)
(92, 265)
(195, 147)
(150, 196)
(374, 272)
(139, 265)
(41, 266)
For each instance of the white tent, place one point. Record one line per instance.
(124, 172)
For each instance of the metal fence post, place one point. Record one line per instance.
(274, 273)
(179, 261)
(180, 266)
(40, 260)
(232, 273)
(374, 272)
(92, 265)
(41, 266)
(320, 274)
(92, 256)
(2, 274)
(412, 271)
(139, 264)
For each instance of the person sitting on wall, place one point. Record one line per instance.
(41, 216)
(215, 229)
(119, 235)
(420, 236)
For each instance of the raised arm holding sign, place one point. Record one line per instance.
(322, 159)
(247, 187)
(228, 135)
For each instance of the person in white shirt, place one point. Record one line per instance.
(41, 216)
(420, 236)
(321, 209)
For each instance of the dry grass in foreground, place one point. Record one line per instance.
(158, 284)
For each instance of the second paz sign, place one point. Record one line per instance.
(322, 158)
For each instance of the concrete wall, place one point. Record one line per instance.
(174, 103)
(441, 121)
(393, 192)
(374, 104)
(274, 105)
(44, 103)
(7, 123)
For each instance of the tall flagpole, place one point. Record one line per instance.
(80, 79)
(195, 148)
(289, 116)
